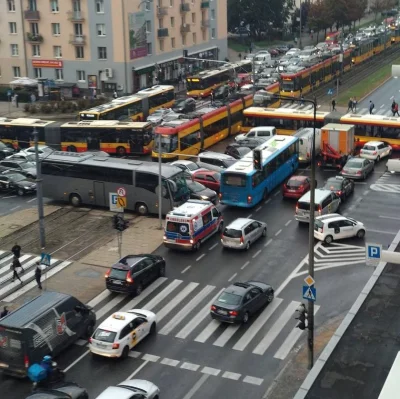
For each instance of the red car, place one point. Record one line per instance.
(208, 178)
(296, 187)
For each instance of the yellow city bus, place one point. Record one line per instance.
(137, 107)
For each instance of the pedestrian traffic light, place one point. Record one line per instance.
(302, 317)
(257, 159)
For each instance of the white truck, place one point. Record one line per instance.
(305, 136)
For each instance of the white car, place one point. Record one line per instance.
(22, 156)
(189, 167)
(261, 132)
(43, 151)
(131, 389)
(333, 227)
(159, 115)
(393, 165)
(376, 150)
(121, 332)
(293, 51)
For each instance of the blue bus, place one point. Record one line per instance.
(244, 186)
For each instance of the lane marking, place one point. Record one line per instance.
(360, 182)
(302, 172)
(268, 242)
(253, 380)
(288, 222)
(226, 335)
(210, 371)
(231, 376)
(137, 370)
(15, 207)
(163, 294)
(259, 208)
(389, 217)
(277, 193)
(365, 192)
(248, 217)
(186, 269)
(197, 386)
(208, 331)
(232, 277)
(135, 354)
(211, 248)
(11, 196)
(190, 366)
(382, 232)
(200, 257)
(169, 362)
(31, 200)
(268, 200)
(246, 264)
(76, 361)
(278, 232)
(151, 358)
(257, 253)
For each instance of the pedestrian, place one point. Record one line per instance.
(333, 105)
(393, 107)
(33, 98)
(14, 266)
(16, 250)
(396, 109)
(94, 93)
(15, 100)
(350, 105)
(18, 263)
(212, 97)
(240, 56)
(355, 104)
(4, 313)
(38, 275)
(302, 99)
(371, 107)
(115, 94)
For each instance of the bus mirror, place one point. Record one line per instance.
(164, 191)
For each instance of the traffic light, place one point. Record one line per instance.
(185, 53)
(257, 159)
(119, 223)
(302, 317)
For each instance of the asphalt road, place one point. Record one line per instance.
(194, 357)
(10, 202)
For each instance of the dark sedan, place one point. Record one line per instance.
(240, 300)
(185, 105)
(17, 182)
(341, 186)
(26, 168)
(65, 390)
(201, 192)
(237, 151)
(6, 150)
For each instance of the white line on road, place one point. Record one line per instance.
(268, 242)
(15, 207)
(226, 335)
(135, 354)
(365, 192)
(389, 217)
(151, 358)
(382, 106)
(288, 222)
(11, 196)
(277, 193)
(186, 269)
(169, 362)
(196, 386)
(210, 371)
(259, 208)
(248, 217)
(231, 376)
(138, 369)
(382, 232)
(76, 361)
(301, 173)
(190, 366)
(268, 200)
(232, 277)
(246, 264)
(31, 200)
(278, 232)
(211, 248)
(253, 380)
(257, 253)
(163, 294)
(200, 257)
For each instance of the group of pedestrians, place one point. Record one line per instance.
(352, 104)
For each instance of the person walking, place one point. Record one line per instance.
(396, 109)
(302, 100)
(16, 250)
(14, 267)
(38, 275)
(350, 105)
(333, 105)
(371, 107)
(4, 313)
(355, 104)
(16, 100)
(393, 107)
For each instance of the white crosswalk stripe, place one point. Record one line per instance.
(386, 188)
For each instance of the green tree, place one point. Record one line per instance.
(320, 16)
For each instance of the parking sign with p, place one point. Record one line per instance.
(373, 253)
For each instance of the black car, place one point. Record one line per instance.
(240, 300)
(236, 150)
(17, 182)
(341, 186)
(133, 272)
(222, 93)
(201, 192)
(251, 143)
(6, 150)
(26, 168)
(65, 390)
(185, 105)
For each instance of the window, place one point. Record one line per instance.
(12, 27)
(149, 49)
(161, 45)
(35, 50)
(37, 72)
(78, 30)
(190, 140)
(184, 39)
(212, 14)
(193, 17)
(16, 71)
(59, 74)
(32, 6)
(148, 26)
(100, 6)
(194, 37)
(11, 5)
(160, 23)
(55, 29)
(146, 181)
(172, 42)
(147, 6)
(57, 52)
(172, 22)
(54, 6)
(204, 34)
(14, 50)
(76, 5)
(81, 75)
(101, 29)
(171, 3)
(102, 53)
(79, 52)
(213, 33)
(34, 28)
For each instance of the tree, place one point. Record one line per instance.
(320, 16)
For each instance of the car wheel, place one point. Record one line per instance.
(20, 192)
(125, 352)
(390, 154)
(142, 209)
(264, 233)
(361, 233)
(197, 246)
(153, 329)
(75, 200)
(161, 272)
(245, 317)
(270, 297)
(378, 158)
(247, 247)
(328, 239)
(139, 289)
(29, 176)
(121, 151)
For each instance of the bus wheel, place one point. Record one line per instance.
(142, 209)
(75, 200)
(71, 148)
(121, 151)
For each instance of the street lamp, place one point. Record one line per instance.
(39, 190)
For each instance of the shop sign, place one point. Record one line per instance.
(47, 64)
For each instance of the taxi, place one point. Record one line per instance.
(121, 332)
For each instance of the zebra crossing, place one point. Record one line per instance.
(183, 312)
(10, 290)
(387, 183)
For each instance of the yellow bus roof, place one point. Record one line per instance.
(25, 122)
(282, 113)
(104, 124)
(367, 119)
(225, 68)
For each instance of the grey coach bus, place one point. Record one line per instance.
(88, 178)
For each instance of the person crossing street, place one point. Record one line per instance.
(38, 275)
(14, 267)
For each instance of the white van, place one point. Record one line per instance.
(261, 132)
(305, 136)
(262, 59)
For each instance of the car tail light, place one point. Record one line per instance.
(90, 340)
(345, 170)
(319, 163)
(233, 313)
(308, 155)
(213, 308)
(359, 172)
(319, 209)
(129, 278)
(301, 187)
(249, 199)
(339, 192)
(241, 240)
(375, 152)
(220, 196)
(115, 346)
(107, 273)
(297, 207)
(26, 361)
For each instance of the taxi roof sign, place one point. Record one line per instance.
(118, 316)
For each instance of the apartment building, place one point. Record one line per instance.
(121, 45)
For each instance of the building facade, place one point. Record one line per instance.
(122, 45)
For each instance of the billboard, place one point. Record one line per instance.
(47, 64)
(137, 35)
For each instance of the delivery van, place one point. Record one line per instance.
(46, 325)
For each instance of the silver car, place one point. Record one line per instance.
(127, 389)
(358, 168)
(242, 232)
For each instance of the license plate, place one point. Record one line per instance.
(102, 346)
(117, 282)
(222, 312)
(291, 191)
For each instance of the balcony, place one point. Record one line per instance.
(32, 15)
(205, 23)
(162, 33)
(77, 40)
(185, 7)
(75, 16)
(162, 11)
(34, 37)
(185, 28)
(205, 4)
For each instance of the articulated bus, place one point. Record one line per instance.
(202, 84)
(244, 186)
(137, 107)
(92, 179)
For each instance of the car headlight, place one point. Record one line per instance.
(26, 188)
(204, 197)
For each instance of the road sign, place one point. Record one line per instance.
(309, 293)
(373, 254)
(309, 281)
(121, 192)
(330, 92)
(121, 202)
(113, 202)
(45, 259)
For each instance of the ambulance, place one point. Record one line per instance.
(189, 225)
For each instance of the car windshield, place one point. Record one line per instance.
(176, 227)
(178, 186)
(228, 162)
(232, 233)
(2, 146)
(119, 274)
(180, 103)
(193, 166)
(294, 183)
(104, 335)
(25, 165)
(15, 177)
(194, 186)
(158, 112)
(333, 185)
(354, 164)
(229, 299)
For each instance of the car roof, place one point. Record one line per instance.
(182, 162)
(117, 321)
(206, 172)
(238, 288)
(320, 194)
(299, 178)
(211, 154)
(355, 159)
(331, 217)
(239, 223)
(374, 143)
(130, 260)
(115, 392)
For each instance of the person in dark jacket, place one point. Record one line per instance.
(4, 313)
(14, 267)
(16, 250)
(38, 275)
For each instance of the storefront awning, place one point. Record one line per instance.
(203, 51)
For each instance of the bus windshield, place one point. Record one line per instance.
(287, 85)
(169, 143)
(234, 179)
(194, 84)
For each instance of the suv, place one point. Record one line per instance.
(215, 161)
(335, 227)
(262, 132)
(133, 272)
(376, 150)
(242, 232)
